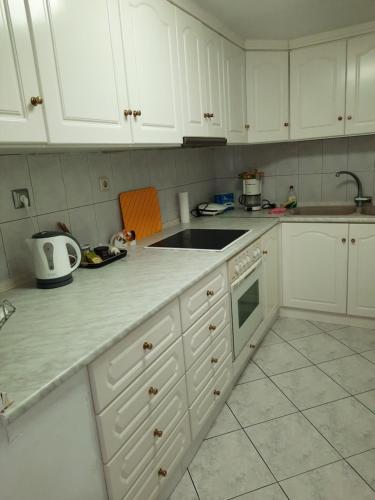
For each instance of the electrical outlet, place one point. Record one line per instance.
(16, 194)
(104, 183)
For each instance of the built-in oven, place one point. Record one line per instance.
(245, 274)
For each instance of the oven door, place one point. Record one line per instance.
(247, 308)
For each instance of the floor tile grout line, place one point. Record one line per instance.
(343, 343)
(191, 479)
(358, 474)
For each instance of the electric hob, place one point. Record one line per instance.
(200, 239)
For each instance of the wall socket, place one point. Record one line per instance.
(104, 183)
(16, 194)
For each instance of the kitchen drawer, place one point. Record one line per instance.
(122, 417)
(206, 329)
(208, 363)
(205, 404)
(149, 483)
(112, 372)
(143, 445)
(200, 297)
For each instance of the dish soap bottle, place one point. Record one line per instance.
(292, 198)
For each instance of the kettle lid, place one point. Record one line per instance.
(47, 234)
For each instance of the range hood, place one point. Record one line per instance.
(201, 142)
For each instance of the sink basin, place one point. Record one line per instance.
(329, 210)
(368, 209)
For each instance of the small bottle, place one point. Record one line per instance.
(292, 198)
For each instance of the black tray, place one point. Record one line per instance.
(90, 265)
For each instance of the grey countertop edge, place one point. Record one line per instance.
(15, 411)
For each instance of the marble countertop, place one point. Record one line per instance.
(54, 333)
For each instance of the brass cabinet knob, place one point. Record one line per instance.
(339, 118)
(210, 115)
(127, 112)
(210, 293)
(252, 346)
(158, 433)
(247, 126)
(353, 241)
(147, 346)
(349, 117)
(162, 472)
(153, 390)
(286, 124)
(137, 113)
(343, 240)
(35, 101)
(265, 252)
(206, 115)
(217, 392)
(214, 360)
(212, 328)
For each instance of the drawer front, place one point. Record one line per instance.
(201, 296)
(223, 378)
(149, 483)
(119, 421)
(200, 335)
(210, 361)
(112, 372)
(122, 471)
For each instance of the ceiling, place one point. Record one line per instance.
(287, 19)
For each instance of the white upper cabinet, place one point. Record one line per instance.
(235, 92)
(213, 61)
(193, 75)
(360, 93)
(82, 71)
(317, 90)
(20, 121)
(267, 85)
(150, 45)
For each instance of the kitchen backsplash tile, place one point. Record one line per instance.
(65, 187)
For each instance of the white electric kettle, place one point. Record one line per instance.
(52, 259)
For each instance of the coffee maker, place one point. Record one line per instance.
(251, 197)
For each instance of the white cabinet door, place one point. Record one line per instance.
(315, 266)
(235, 92)
(20, 121)
(193, 75)
(267, 84)
(81, 65)
(271, 271)
(317, 90)
(361, 279)
(360, 93)
(213, 61)
(150, 46)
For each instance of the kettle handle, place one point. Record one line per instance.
(74, 243)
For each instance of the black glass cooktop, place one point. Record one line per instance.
(200, 239)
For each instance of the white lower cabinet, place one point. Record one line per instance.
(271, 271)
(361, 270)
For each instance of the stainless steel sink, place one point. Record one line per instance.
(328, 210)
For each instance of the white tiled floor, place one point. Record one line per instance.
(300, 423)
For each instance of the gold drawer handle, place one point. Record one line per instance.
(153, 390)
(214, 360)
(212, 328)
(35, 101)
(158, 433)
(210, 293)
(147, 346)
(162, 472)
(252, 346)
(127, 112)
(137, 113)
(265, 252)
(217, 392)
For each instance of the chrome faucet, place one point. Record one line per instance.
(359, 199)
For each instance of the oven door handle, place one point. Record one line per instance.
(242, 278)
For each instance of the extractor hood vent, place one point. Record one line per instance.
(202, 142)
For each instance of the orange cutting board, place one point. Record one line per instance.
(140, 211)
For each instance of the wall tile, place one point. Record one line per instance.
(223, 159)
(269, 188)
(121, 162)
(139, 173)
(265, 157)
(333, 188)
(361, 153)
(310, 187)
(4, 273)
(310, 157)
(48, 222)
(14, 174)
(76, 176)
(83, 225)
(162, 168)
(283, 182)
(16, 250)
(108, 220)
(335, 154)
(100, 166)
(287, 158)
(168, 199)
(47, 182)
